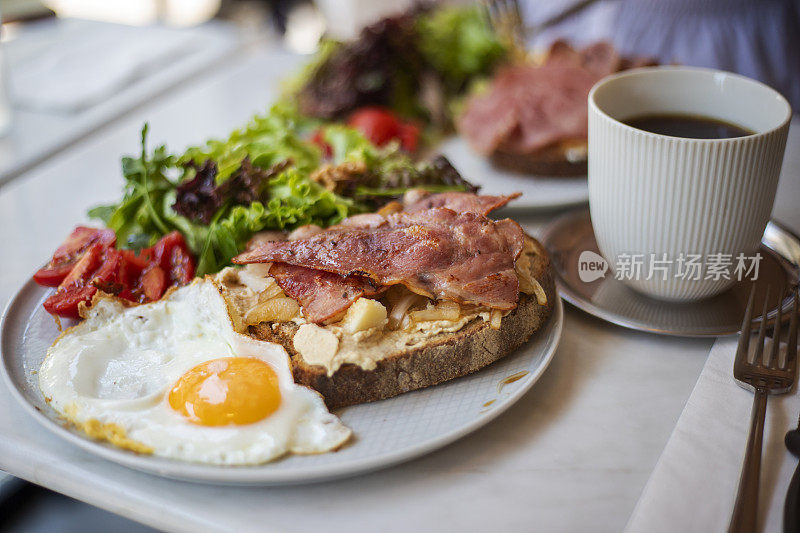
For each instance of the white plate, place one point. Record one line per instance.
(385, 433)
(538, 192)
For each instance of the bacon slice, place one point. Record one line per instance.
(460, 202)
(463, 257)
(322, 295)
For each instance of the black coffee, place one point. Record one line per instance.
(689, 126)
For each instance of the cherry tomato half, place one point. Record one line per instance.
(153, 283)
(409, 137)
(380, 125)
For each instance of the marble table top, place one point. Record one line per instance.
(36, 134)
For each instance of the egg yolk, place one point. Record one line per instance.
(231, 390)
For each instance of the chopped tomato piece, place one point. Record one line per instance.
(142, 277)
(107, 278)
(70, 252)
(153, 283)
(172, 254)
(409, 136)
(318, 138)
(85, 266)
(65, 304)
(130, 270)
(79, 285)
(141, 260)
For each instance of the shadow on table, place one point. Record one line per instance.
(33, 509)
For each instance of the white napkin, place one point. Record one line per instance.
(67, 70)
(694, 483)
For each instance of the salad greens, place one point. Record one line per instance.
(145, 212)
(260, 178)
(458, 44)
(267, 140)
(413, 63)
(138, 219)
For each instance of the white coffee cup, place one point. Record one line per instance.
(659, 201)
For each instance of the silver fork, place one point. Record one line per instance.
(505, 17)
(773, 377)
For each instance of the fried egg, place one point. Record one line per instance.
(173, 378)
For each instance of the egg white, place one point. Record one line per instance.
(119, 364)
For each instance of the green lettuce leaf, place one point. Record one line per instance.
(268, 139)
(459, 44)
(294, 201)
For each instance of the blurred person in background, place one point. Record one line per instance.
(756, 38)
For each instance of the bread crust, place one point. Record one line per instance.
(441, 358)
(549, 161)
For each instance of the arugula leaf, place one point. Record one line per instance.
(137, 219)
(102, 213)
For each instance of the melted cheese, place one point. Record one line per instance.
(333, 345)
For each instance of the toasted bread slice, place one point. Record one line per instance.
(563, 159)
(440, 358)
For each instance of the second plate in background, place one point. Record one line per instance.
(538, 192)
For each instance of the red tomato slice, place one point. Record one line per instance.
(70, 252)
(65, 304)
(141, 260)
(75, 287)
(153, 283)
(130, 270)
(107, 276)
(378, 124)
(98, 269)
(139, 278)
(85, 266)
(172, 254)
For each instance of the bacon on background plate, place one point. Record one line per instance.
(529, 107)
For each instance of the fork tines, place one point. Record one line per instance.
(775, 374)
(505, 17)
(791, 339)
